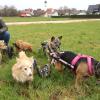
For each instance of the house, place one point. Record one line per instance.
(48, 12)
(26, 13)
(93, 9)
(73, 11)
(82, 12)
(55, 13)
(51, 12)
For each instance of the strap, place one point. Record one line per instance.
(90, 66)
(89, 61)
(74, 61)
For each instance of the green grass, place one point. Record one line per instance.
(30, 19)
(83, 37)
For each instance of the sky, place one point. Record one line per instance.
(23, 4)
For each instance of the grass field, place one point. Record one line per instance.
(83, 37)
(30, 19)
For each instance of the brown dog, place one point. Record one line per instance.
(81, 68)
(22, 46)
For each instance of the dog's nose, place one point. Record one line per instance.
(30, 74)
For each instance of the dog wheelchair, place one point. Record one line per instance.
(44, 71)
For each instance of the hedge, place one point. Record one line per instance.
(77, 16)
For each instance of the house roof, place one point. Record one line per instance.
(94, 8)
(27, 11)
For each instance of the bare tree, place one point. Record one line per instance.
(38, 12)
(8, 11)
(63, 10)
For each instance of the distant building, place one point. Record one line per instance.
(55, 13)
(51, 12)
(26, 13)
(94, 9)
(74, 11)
(82, 12)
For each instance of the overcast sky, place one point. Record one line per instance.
(22, 4)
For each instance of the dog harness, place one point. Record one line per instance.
(89, 61)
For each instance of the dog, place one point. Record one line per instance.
(51, 45)
(22, 71)
(22, 46)
(5, 51)
(83, 65)
(2, 48)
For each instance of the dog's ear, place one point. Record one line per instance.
(60, 37)
(52, 38)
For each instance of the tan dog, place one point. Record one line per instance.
(22, 46)
(2, 47)
(81, 72)
(81, 67)
(22, 71)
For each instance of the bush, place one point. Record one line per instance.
(77, 16)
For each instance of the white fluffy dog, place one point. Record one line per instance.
(22, 71)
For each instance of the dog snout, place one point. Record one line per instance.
(30, 74)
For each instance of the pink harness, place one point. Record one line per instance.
(89, 61)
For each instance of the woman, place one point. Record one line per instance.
(4, 34)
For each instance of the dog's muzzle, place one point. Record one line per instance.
(30, 75)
